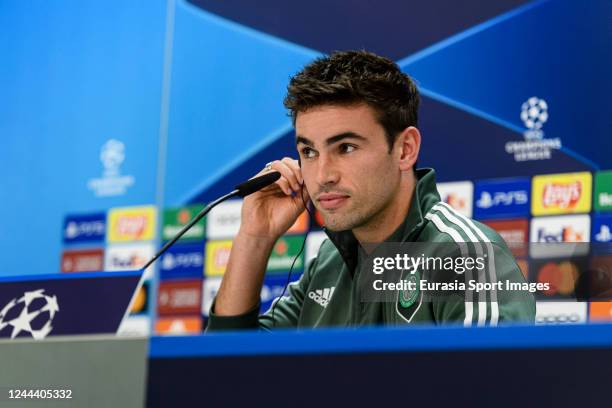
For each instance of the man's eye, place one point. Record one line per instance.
(347, 148)
(307, 152)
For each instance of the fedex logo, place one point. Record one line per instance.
(502, 198)
(571, 228)
(561, 230)
(566, 234)
(127, 257)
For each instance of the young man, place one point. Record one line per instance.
(355, 117)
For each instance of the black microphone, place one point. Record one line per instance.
(257, 183)
(242, 190)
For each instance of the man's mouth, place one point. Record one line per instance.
(332, 201)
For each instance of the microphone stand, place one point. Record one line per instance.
(242, 190)
(195, 219)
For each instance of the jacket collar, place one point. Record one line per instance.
(425, 196)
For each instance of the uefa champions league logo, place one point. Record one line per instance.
(534, 114)
(112, 156)
(112, 183)
(32, 313)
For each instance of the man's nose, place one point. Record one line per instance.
(327, 172)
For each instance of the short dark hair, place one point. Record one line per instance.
(353, 77)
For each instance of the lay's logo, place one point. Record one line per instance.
(561, 193)
(217, 256)
(131, 224)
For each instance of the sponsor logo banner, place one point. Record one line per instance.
(272, 288)
(210, 287)
(224, 220)
(300, 226)
(562, 276)
(603, 191)
(85, 260)
(179, 325)
(131, 224)
(561, 193)
(459, 195)
(514, 232)
(313, 243)
(561, 312)
(601, 234)
(217, 255)
(179, 297)
(128, 257)
(284, 252)
(176, 218)
(84, 228)
(600, 311)
(182, 260)
(501, 198)
(557, 230)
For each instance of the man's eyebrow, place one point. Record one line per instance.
(332, 139)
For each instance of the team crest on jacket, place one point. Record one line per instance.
(408, 296)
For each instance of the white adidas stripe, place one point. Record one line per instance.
(482, 296)
(469, 302)
(491, 253)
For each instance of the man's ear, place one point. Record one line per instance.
(409, 144)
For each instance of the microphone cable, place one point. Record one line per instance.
(296, 257)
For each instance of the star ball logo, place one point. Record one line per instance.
(534, 114)
(30, 314)
(112, 183)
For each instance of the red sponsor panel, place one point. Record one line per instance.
(514, 232)
(83, 260)
(179, 297)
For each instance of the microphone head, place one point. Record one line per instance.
(257, 183)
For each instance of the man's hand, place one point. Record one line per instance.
(270, 212)
(266, 215)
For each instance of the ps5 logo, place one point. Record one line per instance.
(604, 234)
(502, 198)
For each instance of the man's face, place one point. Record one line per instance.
(346, 165)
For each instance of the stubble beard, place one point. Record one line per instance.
(354, 217)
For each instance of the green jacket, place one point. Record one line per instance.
(327, 294)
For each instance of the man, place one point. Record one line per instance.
(355, 117)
